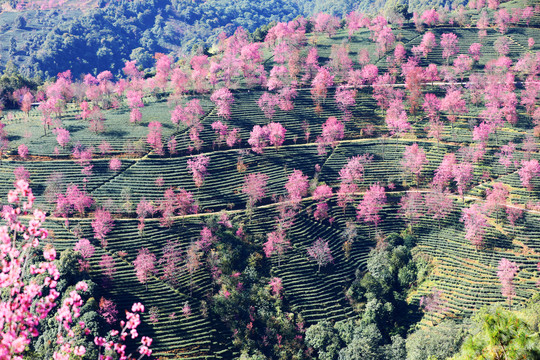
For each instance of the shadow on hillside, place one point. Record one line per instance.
(117, 133)
(500, 241)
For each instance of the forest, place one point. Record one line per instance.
(44, 38)
(330, 187)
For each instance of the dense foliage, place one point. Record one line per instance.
(93, 39)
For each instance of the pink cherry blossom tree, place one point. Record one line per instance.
(428, 43)
(513, 214)
(350, 177)
(258, 138)
(144, 209)
(102, 225)
(340, 62)
(62, 136)
(171, 262)
(276, 134)
(179, 203)
(383, 92)
(396, 119)
(276, 286)
(286, 95)
(189, 115)
(438, 204)
(22, 150)
(462, 65)
(221, 130)
(21, 174)
(432, 302)
(463, 175)
(223, 98)
(145, 266)
(320, 252)
(297, 186)
(475, 51)
(26, 103)
(482, 24)
(319, 87)
(74, 199)
(353, 171)
(385, 38)
(430, 17)
(134, 100)
(276, 243)
(475, 224)
(502, 46)
(333, 130)
(454, 104)
(86, 249)
(496, 198)
(115, 164)
(431, 106)
(371, 204)
(233, 138)
(507, 270)
(154, 137)
(254, 187)
(414, 159)
(107, 309)
(502, 19)
(197, 166)
(412, 207)
(431, 73)
(529, 169)
(506, 155)
(268, 103)
(449, 43)
(345, 99)
(326, 23)
(321, 195)
(206, 239)
(368, 73)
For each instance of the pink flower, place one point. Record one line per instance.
(58, 356)
(39, 215)
(49, 254)
(79, 350)
(13, 197)
(137, 307)
(81, 286)
(146, 341)
(143, 350)
(19, 344)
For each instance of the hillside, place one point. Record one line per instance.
(44, 38)
(387, 125)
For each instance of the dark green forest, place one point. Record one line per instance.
(43, 43)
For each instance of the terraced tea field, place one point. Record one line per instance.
(466, 275)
